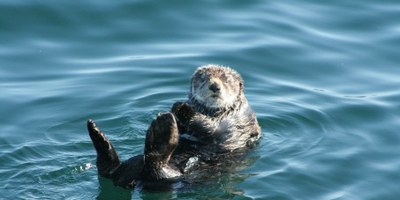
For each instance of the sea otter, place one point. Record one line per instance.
(214, 122)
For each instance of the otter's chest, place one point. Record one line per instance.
(209, 133)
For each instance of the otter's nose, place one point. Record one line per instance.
(215, 87)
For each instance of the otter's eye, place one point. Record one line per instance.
(224, 78)
(202, 77)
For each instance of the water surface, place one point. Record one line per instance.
(323, 78)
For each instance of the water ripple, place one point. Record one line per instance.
(323, 78)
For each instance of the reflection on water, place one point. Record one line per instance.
(107, 190)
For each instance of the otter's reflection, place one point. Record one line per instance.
(107, 190)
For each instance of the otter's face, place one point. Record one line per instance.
(216, 86)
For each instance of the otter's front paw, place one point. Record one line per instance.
(184, 112)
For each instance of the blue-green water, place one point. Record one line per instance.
(323, 77)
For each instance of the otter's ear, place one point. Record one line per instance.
(241, 86)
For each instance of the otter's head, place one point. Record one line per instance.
(216, 87)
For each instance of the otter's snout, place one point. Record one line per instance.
(215, 87)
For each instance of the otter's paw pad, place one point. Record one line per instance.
(161, 139)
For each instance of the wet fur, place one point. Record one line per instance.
(214, 123)
(228, 126)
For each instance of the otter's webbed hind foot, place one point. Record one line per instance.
(161, 141)
(107, 157)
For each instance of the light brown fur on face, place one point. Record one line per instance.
(216, 86)
(222, 119)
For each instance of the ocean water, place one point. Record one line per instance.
(323, 77)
